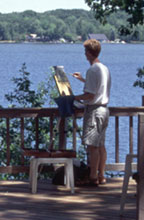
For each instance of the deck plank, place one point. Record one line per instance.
(56, 203)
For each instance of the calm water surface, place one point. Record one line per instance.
(123, 61)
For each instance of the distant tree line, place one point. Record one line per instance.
(72, 25)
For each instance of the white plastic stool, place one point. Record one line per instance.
(68, 164)
(128, 172)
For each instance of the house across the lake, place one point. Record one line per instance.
(99, 37)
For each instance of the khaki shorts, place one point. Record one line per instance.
(94, 125)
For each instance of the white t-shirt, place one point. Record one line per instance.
(98, 82)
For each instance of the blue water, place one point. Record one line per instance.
(123, 61)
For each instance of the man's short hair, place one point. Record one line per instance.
(93, 46)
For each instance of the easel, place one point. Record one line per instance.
(64, 88)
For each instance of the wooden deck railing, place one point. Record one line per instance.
(51, 113)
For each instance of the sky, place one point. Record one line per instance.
(8, 6)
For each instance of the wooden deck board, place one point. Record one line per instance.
(56, 202)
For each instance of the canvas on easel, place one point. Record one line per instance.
(62, 81)
(63, 85)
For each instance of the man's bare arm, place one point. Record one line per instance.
(85, 96)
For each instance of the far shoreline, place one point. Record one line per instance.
(56, 42)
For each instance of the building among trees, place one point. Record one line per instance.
(99, 37)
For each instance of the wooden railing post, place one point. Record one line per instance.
(51, 131)
(22, 139)
(8, 141)
(142, 100)
(140, 185)
(62, 134)
(117, 139)
(74, 133)
(130, 134)
(37, 132)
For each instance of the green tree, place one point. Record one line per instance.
(140, 78)
(69, 37)
(4, 34)
(112, 35)
(83, 28)
(23, 96)
(29, 13)
(103, 8)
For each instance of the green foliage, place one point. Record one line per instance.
(68, 24)
(104, 8)
(140, 81)
(23, 96)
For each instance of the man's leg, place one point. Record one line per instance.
(102, 161)
(97, 156)
(94, 161)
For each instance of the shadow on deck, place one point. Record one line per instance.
(56, 203)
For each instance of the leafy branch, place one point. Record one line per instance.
(140, 81)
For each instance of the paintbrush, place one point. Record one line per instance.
(70, 74)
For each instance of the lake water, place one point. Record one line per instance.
(123, 61)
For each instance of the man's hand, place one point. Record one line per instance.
(78, 76)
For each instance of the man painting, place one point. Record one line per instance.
(96, 114)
